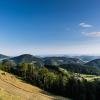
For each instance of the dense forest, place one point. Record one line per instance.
(55, 80)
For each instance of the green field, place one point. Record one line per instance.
(90, 77)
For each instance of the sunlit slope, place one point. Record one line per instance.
(12, 88)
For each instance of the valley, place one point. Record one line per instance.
(28, 77)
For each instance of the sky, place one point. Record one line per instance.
(46, 27)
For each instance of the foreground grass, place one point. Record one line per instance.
(6, 96)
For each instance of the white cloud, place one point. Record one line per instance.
(92, 34)
(84, 25)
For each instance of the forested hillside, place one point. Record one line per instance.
(95, 63)
(64, 80)
(13, 88)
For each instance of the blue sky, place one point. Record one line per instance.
(43, 27)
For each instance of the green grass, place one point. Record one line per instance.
(89, 77)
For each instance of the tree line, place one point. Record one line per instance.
(57, 82)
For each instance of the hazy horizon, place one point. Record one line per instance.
(52, 55)
(50, 27)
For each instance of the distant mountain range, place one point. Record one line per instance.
(55, 60)
(3, 57)
(71, 63)
(61, 60)
(95, 63)
(87, 58)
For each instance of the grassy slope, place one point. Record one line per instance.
(12, 88)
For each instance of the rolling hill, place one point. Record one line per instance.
(3, 57)
(12, 88)
(27, 58)
(95, 63)
(61, 60)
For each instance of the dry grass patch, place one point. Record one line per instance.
(12, 88)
